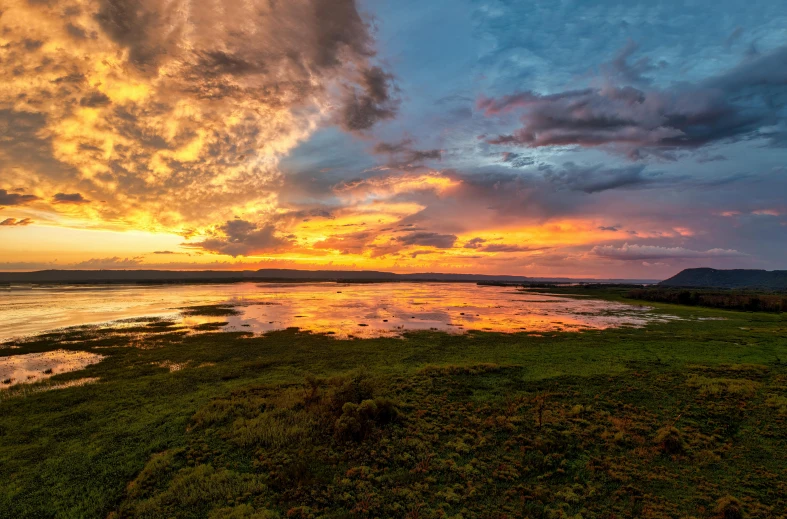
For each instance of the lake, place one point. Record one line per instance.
(346, 310)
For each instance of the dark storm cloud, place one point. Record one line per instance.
(762, 74)
(428, 239)
(242, 238)
(583, 178)
(732, 106)
(370, 102)
(595, 179)
(7, 198)
(69, 198)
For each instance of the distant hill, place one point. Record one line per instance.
(736, 278)
(209, 276)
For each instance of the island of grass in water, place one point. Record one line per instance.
(683, 416)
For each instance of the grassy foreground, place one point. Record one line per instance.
(677, 420)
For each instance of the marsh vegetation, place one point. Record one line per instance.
(682, 418)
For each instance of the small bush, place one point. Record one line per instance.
(670, 441)
(729, 508)
(357, 420)
(355, 389)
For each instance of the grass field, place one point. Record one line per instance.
(676, 420)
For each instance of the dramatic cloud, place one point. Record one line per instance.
(516, 160)
(628, 252)
(737, 105)
(474, 243)
(7, 198)
(252, 130)
(364, 106)
(15, 222)
(596, 178)
(351, 243)
(403, 154)
(242, 238)
(176, 113)
(428, 239)
(69, 198)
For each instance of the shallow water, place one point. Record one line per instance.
(34, 367)
(360, 310)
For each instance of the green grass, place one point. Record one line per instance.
(680, 419)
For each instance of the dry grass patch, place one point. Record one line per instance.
(708, 386)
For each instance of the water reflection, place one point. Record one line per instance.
(33, 367)
(358, 310)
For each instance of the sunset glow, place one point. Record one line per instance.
(205, 135)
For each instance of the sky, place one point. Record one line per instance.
(614, 139)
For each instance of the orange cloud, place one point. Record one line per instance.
(176, 114)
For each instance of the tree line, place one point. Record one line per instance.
(729, 300)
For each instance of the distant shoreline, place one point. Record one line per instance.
(164, 277)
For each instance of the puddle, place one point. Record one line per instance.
(359, 310)
(34, 367)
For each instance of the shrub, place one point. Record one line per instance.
(357, 388)
(670, 441)
(357, 420)
(729, 508)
